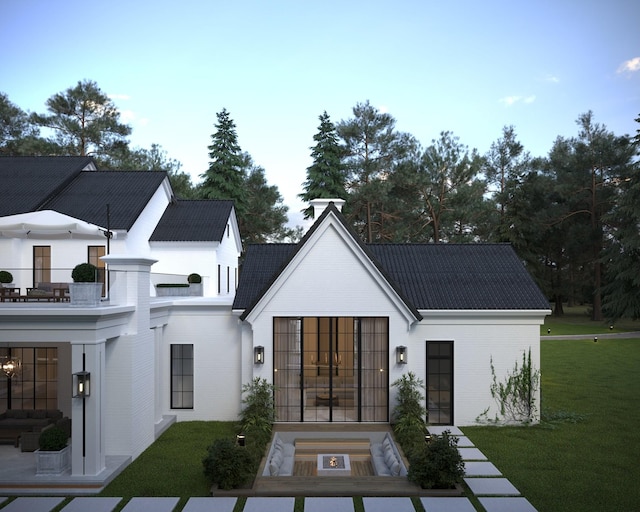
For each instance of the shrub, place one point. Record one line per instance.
(194, 278)
(409, 413)
(438, 465)
(257, 416)
(52, 439)
(228, 465)
(84, 273)
(6, 277)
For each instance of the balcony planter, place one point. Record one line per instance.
(54, 455)
(172, 290)
(85, 291)
(6, 279)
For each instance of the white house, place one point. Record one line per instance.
(331, 321)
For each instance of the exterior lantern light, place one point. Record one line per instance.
(258, 355)
(240, 439)
(401, 354)
(81, 385)
(595, 339)
(427, 438)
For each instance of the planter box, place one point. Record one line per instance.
(85, 294)
(53, 463)
(193, 290)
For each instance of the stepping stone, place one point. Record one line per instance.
(328, 505)
(216, 504)
(94, 504)
(269, 505)
(465, 442)
(151, 505)
(506, 505)
(480, 469)
(446, 504)
(472, 454)
(438, 430)
(33, 504)
(387, 505)
(491, 487)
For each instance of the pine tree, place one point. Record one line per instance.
(325, 177)
(85, 121)
(227, 173)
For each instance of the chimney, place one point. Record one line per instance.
(320, 205)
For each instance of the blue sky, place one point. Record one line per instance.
(465, 66)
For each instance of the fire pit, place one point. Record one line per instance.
(334, 464)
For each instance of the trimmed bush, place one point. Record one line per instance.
(194, 278)
(52, 439)
(228, 465)
(84, 273)
(438, 465)
(6, 277)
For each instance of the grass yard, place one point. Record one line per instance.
(172, 466)
(585, 454)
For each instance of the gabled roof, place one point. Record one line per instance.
(28, 182)
(190, 220)
(126, 192)
(426, 276)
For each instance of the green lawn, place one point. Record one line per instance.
(586, 453)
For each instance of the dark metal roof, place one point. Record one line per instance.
(28, 182)
(426, 276)
(126, 192)
(202, 220)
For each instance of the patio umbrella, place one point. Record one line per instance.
(48, 224)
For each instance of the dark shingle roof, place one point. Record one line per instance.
(430, 276)
(126, 192)
(453, 276)
(28, 182)
(201, 221)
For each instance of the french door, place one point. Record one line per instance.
(332, 369)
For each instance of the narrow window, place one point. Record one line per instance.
(182, 376)
(228, 279)
(95, 252)
(219, 277)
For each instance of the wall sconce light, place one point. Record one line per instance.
(258, 355)
(81, 384)
(11, 366)
(401, 354)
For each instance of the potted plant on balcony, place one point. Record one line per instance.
(85, 290)
(6, 279)
(54, 455)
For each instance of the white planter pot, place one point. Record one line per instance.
(85, 294)
(53, 463)
(195, 289)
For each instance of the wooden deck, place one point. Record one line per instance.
(306, 482)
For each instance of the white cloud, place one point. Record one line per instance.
(630, 66)
(552, 79)
(509, 101)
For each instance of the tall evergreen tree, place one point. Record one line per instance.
(265, 216)
(85, 121)
(326, 176)
(621, 294)
(505, 164)
(372, 149)
(227, 173)
(446, 169)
